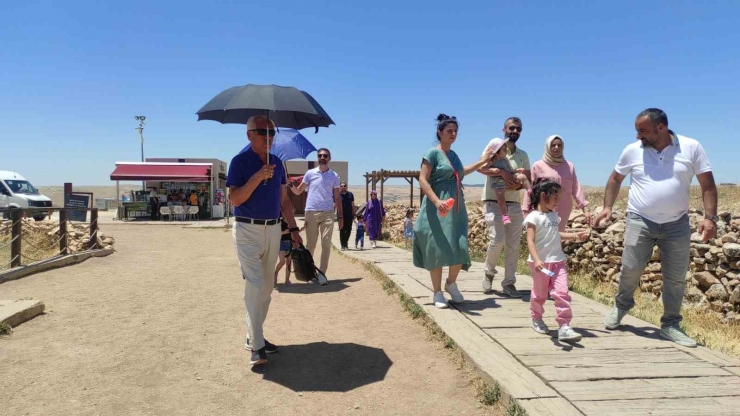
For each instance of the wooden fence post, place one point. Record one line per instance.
(382, 182)
(63, 232)
(93, 244)
(411, 199)
(367, 187)
(17, 238)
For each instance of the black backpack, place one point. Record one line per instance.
(304, 268)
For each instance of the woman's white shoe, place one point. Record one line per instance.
(455, 295)
(439, 300)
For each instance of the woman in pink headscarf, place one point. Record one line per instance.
(554, 166)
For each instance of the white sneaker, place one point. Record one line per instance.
(539, 326)
(455, 295)
(487, 282)
(566, 333)
(439, 300)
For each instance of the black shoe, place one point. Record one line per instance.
(259, 357)
(269, 347)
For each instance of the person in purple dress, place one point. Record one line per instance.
(374, 214)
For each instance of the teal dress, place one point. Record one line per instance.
(442, 241)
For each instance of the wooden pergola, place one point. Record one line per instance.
(372, 179)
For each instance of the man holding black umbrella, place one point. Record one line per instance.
(257, 190)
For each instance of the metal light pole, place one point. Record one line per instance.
(140, 129)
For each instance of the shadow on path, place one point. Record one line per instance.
(321, 366)
(470, 307)
(307, 288)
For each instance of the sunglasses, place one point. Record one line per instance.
(323, 156)
(515, 128)
(263, 132)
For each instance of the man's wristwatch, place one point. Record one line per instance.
(294, 229)
(714, 219)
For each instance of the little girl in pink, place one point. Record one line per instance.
(546, 259)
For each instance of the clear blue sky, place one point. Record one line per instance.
(74, 74)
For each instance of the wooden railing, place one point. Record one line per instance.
(16, 231)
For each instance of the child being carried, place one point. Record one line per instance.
(498, 183)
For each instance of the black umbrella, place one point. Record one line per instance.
(285, 106)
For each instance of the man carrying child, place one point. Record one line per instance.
(499, 233)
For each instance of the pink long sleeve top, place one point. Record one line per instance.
(565, 175)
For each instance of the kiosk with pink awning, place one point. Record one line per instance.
(195, 186)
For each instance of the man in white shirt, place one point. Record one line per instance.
(502, 235)
(661, 166)
(323, 192)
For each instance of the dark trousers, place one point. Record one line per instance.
(345, 232)
(155, 207)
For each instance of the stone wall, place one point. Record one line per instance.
(477, 230)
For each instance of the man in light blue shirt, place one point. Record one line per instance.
(323, 195)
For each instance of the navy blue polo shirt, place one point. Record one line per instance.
(264, 203)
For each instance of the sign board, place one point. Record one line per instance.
(76, 201)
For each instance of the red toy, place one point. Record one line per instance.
(449, 203)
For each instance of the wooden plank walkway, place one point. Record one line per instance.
(630, 371)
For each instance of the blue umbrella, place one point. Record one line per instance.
(289, 144)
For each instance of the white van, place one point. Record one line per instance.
(17, 192)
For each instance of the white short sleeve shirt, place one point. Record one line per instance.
(660, 182)
(547, 236)
(321, 187)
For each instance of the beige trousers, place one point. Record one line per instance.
(257, 248)
(320, 223)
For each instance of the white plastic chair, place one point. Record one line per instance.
(179, 212)
(193, 212)
(165, 211)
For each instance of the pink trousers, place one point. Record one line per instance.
(558, 288)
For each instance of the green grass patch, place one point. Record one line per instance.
(515, 410)
(492, 395)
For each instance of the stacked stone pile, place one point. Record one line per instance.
(477, 230)
(45, 234)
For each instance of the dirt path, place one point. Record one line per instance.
(158, 328)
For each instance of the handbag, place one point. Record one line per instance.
(304, 267)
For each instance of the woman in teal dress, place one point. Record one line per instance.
(439, 240)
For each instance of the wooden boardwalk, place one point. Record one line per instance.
(629, 371)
